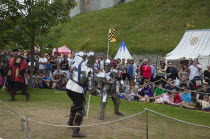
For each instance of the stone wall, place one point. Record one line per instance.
(84, 6)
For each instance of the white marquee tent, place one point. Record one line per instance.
(123, 52)
(194, 44)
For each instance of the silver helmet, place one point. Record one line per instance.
(91, 59)
(107, 65)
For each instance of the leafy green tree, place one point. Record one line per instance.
(23, 22)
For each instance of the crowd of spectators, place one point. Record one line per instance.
(163, 83)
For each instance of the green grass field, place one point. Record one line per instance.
(52, 106)
(151, 26)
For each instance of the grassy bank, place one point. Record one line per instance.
(151, 26)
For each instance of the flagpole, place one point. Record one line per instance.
(108, 47)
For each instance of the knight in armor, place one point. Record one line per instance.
(16, 78)
(108, 81)
(81, 79)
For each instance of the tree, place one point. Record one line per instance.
(25, 21)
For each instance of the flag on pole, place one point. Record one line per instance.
(189, 26)
(112, 35)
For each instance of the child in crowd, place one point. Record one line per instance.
(176, 97)
(35, 81)
(165, 98)
(145, 93)
(62, 83)
(133, 95)
(55, 81)
(159, 91)
(46, 80)
(205, 103)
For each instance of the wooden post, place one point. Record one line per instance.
(147, 124)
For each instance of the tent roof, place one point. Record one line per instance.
(123, 52)
(194, 43)
(63, 50)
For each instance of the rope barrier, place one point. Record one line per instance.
(28, 119)
(177, 119)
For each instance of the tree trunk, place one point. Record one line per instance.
(32, 62)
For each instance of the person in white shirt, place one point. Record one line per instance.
(195, 70)
(42, 64)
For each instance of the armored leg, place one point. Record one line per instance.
(77, 112)
(116, 101)
(103, 105)
(72, 116)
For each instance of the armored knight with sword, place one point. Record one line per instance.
(81, 79)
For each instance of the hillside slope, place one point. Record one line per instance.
(151, 26)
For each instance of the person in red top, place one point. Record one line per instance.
(146, 71)
(56, 51)
(176, 97)
(16, 75)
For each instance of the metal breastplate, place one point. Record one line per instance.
(75, 75)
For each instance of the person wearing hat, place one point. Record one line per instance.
(16, 75)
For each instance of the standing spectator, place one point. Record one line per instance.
(42, 64)
(131, 69)
(146, 71)
(122, 64)
(184, 74)
(195, 70)
(153, 73)
(161, 74)
(53, 64)
(172, 72)
(64, 65)
(190, 62)
(56, 51)
(207, 74)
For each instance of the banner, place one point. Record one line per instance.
(112, 35)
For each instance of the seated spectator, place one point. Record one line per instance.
(35, 81)
(46, 81)
(55, 81)
(133, 95)
(127, 87)
(176, 97)
(186, 98)
(145, 93)
(62, 83)
(57, 71)
(165, 98)
(205, 103)
(171, 86)
(159, 91)
(204, 91)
